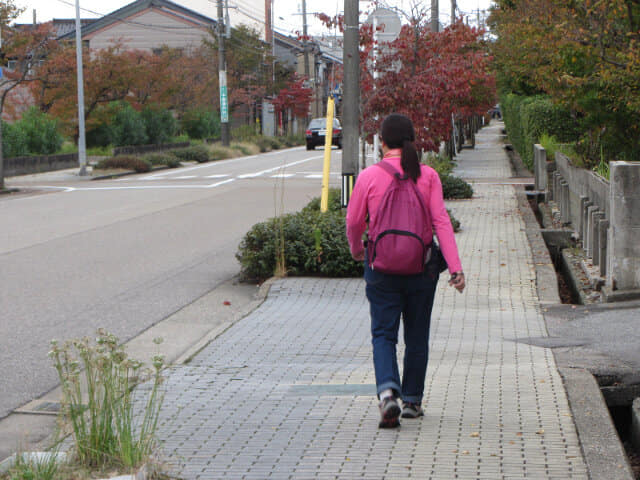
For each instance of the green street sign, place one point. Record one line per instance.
(224, 100)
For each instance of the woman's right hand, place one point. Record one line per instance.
(457, 281)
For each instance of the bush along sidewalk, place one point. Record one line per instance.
(311, 242)
(113, 423)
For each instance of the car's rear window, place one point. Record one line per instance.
(322, 122)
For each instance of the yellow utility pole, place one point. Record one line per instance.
(328, 137)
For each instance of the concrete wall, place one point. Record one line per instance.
(604, 215)
(37, 164)
(625, 225)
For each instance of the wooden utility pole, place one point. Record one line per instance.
(453, 11)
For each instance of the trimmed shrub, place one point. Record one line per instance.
(128, 127)
(263, 144)
(195, 153)
(440, 163)
(200, 123)
(162, 159)
(244, 132)
(455, 223)
(243, 149)
(160, 126)
(455, 187)
(14, 141)
(315, 243)
(125, 162)
(294, 140)
(41, 132)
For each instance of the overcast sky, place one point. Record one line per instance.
(287, 18)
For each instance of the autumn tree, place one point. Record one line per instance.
(585, 55)
(425, 75)
(294, 98)
(24, 47)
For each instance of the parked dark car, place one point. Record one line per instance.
(316, 132)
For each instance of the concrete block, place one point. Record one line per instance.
(540, 166)
(603, 240)
(626, 209)
(585, 220)
(625, 178)
(564, 207)
(597, 218)
(625, 264)
(580, 227)
(588, 241)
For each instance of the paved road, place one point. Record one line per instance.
(125, 254)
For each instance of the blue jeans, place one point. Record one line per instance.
(391, 296)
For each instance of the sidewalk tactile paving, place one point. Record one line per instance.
(289, 391)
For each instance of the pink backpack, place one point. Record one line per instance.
(397, 240)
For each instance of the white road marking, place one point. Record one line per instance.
(283, 175)
(218, 175)
(314, 175)
(183, 177)
(280, 167)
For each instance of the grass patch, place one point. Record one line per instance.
(113, 425)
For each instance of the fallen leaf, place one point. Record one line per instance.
(226, 302)
(475, 434)
(540, 432)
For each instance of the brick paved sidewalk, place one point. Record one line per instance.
(288, 392)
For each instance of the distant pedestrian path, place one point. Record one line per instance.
(289, 391)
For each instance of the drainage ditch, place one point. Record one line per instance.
(575, 288)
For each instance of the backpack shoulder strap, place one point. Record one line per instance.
(387, 167)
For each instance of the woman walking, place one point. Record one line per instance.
(400, 281)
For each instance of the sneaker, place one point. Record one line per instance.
(389, 413)
(412, 410)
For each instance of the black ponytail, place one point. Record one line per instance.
(409, 160)
(397, 132)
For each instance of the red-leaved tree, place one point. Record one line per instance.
(294, 98)
(427, 76)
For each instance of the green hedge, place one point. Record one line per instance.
(315, 243)
(528, 118)
(455, 187)
(36, 133)
(197, 153)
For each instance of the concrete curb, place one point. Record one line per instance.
(603, 453)
(546, 281)
(635, 424)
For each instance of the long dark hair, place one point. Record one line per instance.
(397, 132)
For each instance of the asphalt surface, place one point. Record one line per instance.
(125, 254)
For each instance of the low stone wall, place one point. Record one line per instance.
(603, 215)
(40, 163)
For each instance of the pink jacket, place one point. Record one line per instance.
(367, 195)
